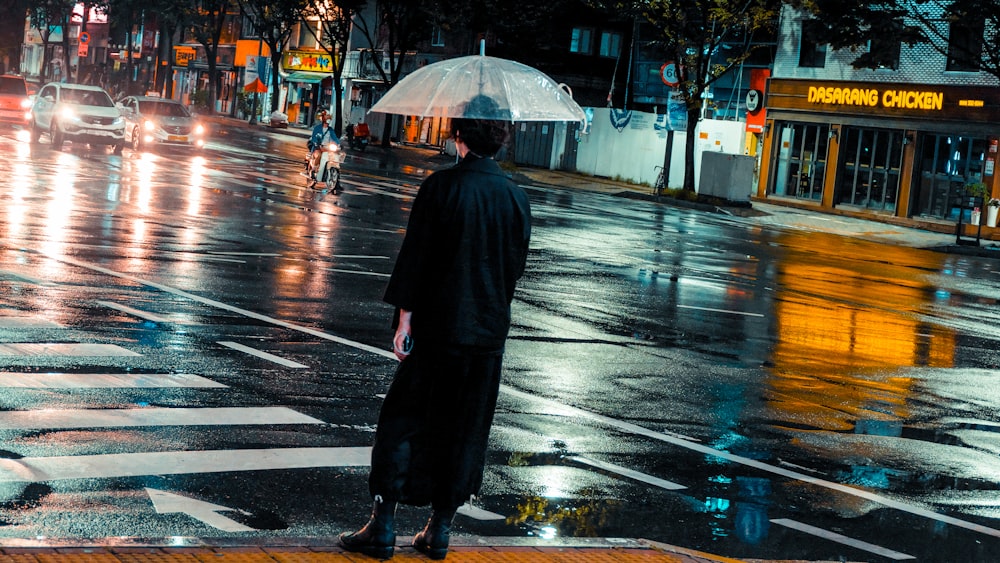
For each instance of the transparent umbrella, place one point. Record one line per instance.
(480, 87)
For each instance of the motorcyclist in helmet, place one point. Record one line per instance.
(322, 134)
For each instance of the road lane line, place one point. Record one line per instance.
(727, 311)
(100, 466)
(477, 513)
(842, 539)
(626, 472)
(262, 355)
(555, 406)
(559, 409)
(27, 323)
(343, 271)
(224, 306)
(104, 380)
(26, 278)
(35, 349)
(48, 419)
(135, 312)
(359, 256)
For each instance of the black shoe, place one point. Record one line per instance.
(433, 540)
(377, 538)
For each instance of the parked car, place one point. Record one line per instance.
(152, 120)
(77, 113)
(15, 103)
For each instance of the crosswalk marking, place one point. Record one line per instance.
(135, 312)
(25, 277)
(49, 419)
(262, 355)
(41, 469)
(27, 322)
(626, 472)
(103, 380)
(62, 349)
(842, 539)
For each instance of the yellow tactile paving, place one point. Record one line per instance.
(333, 555)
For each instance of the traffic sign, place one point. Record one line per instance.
(669, 74)
(84, 38)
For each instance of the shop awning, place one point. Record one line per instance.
(307, 77)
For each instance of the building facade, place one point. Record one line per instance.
(902, 140)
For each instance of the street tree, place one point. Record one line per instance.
(274, 21)
(336, 18)
(964, 31)
(47, 16)
(206, 20)
(394, 30)
(12, 32)
(692, 33)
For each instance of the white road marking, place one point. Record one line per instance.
(149, 416)
(263, 355)
(103, 380)
(224, 253)
(61, 349)
(359, 256)
(477, 513)
(842, 539)
(135, 312)
(630, 473)
(727, 311)
(555, 408)
(343, 271)
(205, 512)
(27, 278)
(101, 466)
(207, 258)
(28, 322)
(684, 442)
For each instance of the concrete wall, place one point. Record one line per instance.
(630, 147)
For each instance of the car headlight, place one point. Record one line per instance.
(199, 129)
(149, 125)
(67, 113)
(25, 103)
(118, 121)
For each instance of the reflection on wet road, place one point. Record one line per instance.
(674, 375)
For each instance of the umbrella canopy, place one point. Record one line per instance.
(480, 87)
(256, 86)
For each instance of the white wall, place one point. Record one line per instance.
(632, 150)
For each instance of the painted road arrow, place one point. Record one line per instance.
(206, 512)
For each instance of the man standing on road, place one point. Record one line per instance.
(465, 247)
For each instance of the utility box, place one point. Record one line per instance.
(727, 176)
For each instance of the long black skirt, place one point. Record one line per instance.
(430, 444)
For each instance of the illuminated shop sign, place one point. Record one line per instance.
(872, 97)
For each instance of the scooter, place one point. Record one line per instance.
(327, 171)
(359, 140)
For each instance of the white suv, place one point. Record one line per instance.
(78, 113)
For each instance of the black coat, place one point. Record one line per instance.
(465, 248)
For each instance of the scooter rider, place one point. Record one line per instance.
(322, 134)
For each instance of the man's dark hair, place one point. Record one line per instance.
(483, 136)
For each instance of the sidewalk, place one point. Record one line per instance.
(312, 551)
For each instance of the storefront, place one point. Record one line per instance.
(308, 77)
(905, 150)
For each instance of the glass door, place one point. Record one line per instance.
(800, 164)
(946, 163)
(869, 168)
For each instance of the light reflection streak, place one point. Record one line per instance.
(197, 178)
(146, 168)
(17, 209)
(58, 210)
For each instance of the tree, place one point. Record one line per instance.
(206, 19)
(335, 18)
(274, 21)
(964, 31)
(46, 16)
(693, 33)
(398, 27)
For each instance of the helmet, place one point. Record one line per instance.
(323, 115)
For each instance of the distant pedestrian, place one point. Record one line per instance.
(465, 247)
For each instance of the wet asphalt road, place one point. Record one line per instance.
(179, 328)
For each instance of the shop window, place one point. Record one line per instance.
(883, 50)
(965, 44)
(800, 167)
(812, 53)
(946, 163)
(869, 168)
(580, 41)
(611, 44)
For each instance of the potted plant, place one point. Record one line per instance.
(992, 208)
(978, 191)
